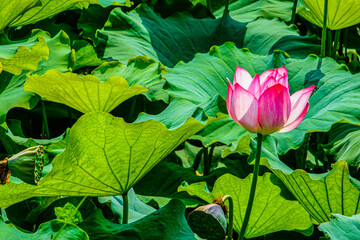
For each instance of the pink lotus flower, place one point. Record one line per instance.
(263, 104)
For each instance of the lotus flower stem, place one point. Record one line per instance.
(323, 36)
(336, 43)
(73, 214)
(231, 215)
(45, 126)
(253, 187)
(293, 14)
(125, 208)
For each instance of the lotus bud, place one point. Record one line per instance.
(208, 222)
(27, 165)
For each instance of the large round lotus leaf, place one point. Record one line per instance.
(84, 93)
(105, 156)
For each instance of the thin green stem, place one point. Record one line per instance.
(336, 43)
(346, 34)
(253, 187)
(211, 153)
(208, 4)
(198, 159)
(206, 162)
(125, 208)
(323, 36)
(329, 47)
(227, 6)
(132, 110)
(65, 224)
(293, 14)
(231, 215)
(45, 126)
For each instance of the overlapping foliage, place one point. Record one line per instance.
(132, 95)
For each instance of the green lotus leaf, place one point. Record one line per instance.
(45, 231)
(341, 14)
(85, 55)
(341, 227)
(16, 56)
(179, 37)
(59, 53)
(83, 93)
(92, 19)
(44, 55)
(343, 143)
(179, 110)
(320, 194)
(264, 36)
(274, 208)
(9, 10)
(107, 3)
(137, 208)
(141, 70)
(59, 141)
(166, 223)
(49, 8)
(248, 10)
(15, 141)
(203, 78)
(105, 156)
(12, 94)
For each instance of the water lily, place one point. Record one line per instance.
(341, 13)
(263, 104)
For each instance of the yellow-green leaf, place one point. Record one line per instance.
(49, 8)
(105, 156)
(25, 58)
(10, 9)
(321, 194)
(82, 92)
(341, 13)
